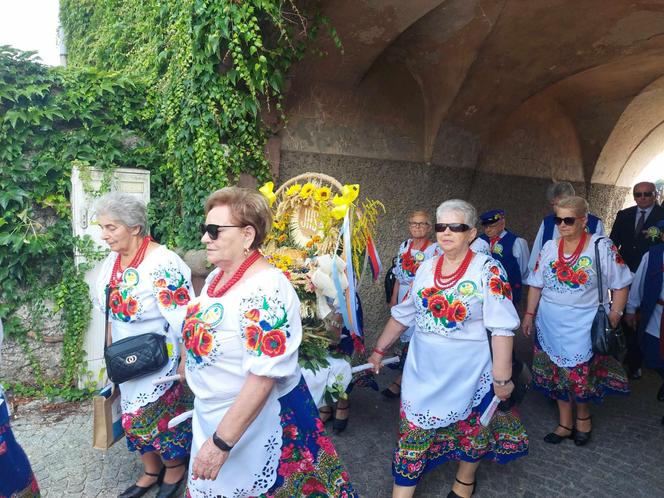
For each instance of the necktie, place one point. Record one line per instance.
(639, 224)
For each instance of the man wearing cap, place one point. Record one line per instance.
(647, 296)
(508, 248)
(633, 233)
(548, 229)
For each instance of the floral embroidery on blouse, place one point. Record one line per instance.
(122, 303)
(572, 277)
(264, 325)
(170, 287)
(445, 309)
(197, 334)
(499, 285)
(616, 255)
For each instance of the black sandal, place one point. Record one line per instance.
(553, 438)
(389, 393)
(169, 490)
(135, 491)
(452, 494)
(582, 438)
(339, 425)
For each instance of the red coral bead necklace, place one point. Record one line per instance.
(574, 257)
(138, 258)
(239, 273)
(446, 281)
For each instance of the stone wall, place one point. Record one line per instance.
(405, 186)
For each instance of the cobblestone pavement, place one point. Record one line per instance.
(623, 459)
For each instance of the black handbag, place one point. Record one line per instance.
(390, 281)
(605, 339)
(133, 357)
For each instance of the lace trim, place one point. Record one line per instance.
(262, 481)
(560, 360)
(141, 398)
(427, 420)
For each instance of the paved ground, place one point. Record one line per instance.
(624, 458)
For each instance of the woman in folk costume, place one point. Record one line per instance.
(450, 375)
(149, 288)
(647, 296)
(411, 254)
(256, 428)
(564, 294)
(16, 477)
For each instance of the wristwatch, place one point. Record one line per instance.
(620, 313)
(502, 382)
(220, 443)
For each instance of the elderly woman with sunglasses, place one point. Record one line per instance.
(564, 294)
(412, 252)
(148, 290)
(256, 428)
(450, 378)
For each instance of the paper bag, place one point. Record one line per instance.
(107, 419)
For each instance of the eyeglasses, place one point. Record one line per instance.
(454, 227)
(418, 224)
(568, 220)
(213, 230)
(643, 194)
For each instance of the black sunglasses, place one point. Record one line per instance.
(213, 230)
(643, 194)
(568, 220)
(455, 227)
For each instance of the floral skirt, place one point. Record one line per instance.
(587, 381)
(309, 465)
(147, 429)
(16, 477)
(421, 450)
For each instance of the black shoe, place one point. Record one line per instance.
(169, 490)
(452, 494)
(135, 491)
(660, 393)
(634, 374)
(389, 393)
(553, 438)
(582, 438)
(339, 425)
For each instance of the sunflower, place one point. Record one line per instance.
(293, 190)
(323, 194)
(307, 189)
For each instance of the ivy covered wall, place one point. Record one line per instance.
(215, 73)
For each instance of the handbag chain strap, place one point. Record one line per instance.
(598, 266)
(106, 320)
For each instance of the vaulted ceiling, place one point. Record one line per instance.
(530, 87)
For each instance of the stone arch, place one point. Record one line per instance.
(637, 138)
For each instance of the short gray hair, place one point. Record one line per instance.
(125, 208)
(559, 190)
(459, 206)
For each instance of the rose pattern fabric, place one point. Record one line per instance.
(123, 304)
(147, 428)
(442, 308)
(264, 325)
(170, 287)
(587, 381)
(566, 277)
(499, 285)
(420, 450)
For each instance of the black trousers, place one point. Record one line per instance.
(633, 357)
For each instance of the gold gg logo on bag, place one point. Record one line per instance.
(131, 359)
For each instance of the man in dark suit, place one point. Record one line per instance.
(634, 232)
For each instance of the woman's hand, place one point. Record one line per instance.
(503, 392)
(375, 360)
(614, 318)
(208, 461)
(527, 325)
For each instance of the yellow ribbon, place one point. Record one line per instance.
(342, 202)
(267, 191)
